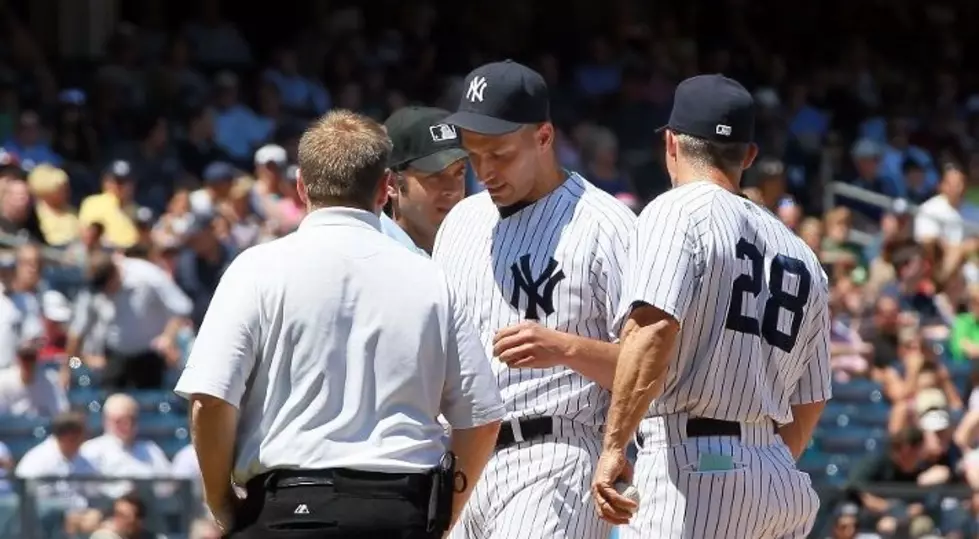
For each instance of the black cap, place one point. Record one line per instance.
(713, 107)
(119, 168)
(422, 140)
(500, 98)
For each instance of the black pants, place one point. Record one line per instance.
(144, 370)
(349, 505)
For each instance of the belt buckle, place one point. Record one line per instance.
(517, 431)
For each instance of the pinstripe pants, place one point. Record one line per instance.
(538, 489)
(764, 496)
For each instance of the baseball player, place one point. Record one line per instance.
(724, 366)
(537, 258)
(429, 175)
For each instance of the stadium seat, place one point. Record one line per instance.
(161, 425)
(825, 467)
(153, 400)
(20, 445)
(852, 440)
(171, 445)
(82, 376)
(874, 415)
(14, 426)
(86, 398)
(857, 391)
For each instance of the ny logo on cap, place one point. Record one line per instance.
(475, 91)
(723, 130)
(443, 132)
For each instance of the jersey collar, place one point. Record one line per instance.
(341, 216)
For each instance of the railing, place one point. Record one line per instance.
(36, 508)
(834, 189)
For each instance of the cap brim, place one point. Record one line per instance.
(438, 161)
(484, 125)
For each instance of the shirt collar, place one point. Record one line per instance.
(338, 216)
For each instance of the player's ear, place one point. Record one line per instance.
(671, 144)
(383, 188)
(545, 135)
(301, 188)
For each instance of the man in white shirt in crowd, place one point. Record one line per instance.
(28, 390)
(185, 466)
(11, 321)
(58, 456)
(118, 453)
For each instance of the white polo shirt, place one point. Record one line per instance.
(339, 347)
(46, 460)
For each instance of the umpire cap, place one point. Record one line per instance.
(422, 139)
(502, 97)
(713, 107)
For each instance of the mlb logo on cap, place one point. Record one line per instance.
(443, 132)
(713, 107)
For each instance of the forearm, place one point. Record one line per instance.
(797, 434)
(174, 325)
(213, 424)
(472, 448)
(642, 361)
(595, 360)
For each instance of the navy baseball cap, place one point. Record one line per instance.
(501, 97)
(422, 139)
(713, 107)
(218, 171)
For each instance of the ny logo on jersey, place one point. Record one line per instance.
(539, 291)
(475, 91)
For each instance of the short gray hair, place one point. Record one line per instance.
(726, 156)
(342, 158)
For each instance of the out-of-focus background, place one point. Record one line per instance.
(165, 131)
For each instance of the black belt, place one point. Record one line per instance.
(277, 479)
(535, 427)
(701, 427)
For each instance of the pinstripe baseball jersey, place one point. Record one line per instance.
(558, 262)
(751, 299)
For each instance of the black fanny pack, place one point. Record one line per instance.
(443, 490)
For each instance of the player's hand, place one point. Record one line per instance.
(612, 506)
(529, 345)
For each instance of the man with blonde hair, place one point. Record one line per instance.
(58, 221)
(306, 386)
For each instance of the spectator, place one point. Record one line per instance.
(111, 208)
(118, 452)
(247, 228)
(140, 309)
(198, 149)
(185, 466)
(214, 40)
(29, 390)
(58, 222)
(56, 310)
(29, 144)
(916, 182)
(914, 290)
(58, 457)
(903, 462)
(302, 96)
(17, 215)
(26, 288)
(201, 265)
(866, 155)
(127, 521)
(837, 244)
(290, 208)
(271, 162)
(218, 177)
(601, 156)
(940, 218)
(964, 340)
(74, 137)
(849, 354)
(935, 421)
(153, 162)
(171, 227)
(238, 130)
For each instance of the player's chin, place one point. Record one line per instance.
(502, 195)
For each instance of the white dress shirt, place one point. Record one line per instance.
(47, 460)
(142, 460)
(342, 354)
(43, 397)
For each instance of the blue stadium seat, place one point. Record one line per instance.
(20, 445)
(823, 467)
(14, 426)
(153, 400)
(82, 376)
(858, 391)
(86, 398)
(172, 444)
(162, 425)
(874, 415)
(852, 440)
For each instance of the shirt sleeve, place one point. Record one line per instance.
(470, 396)
(226, 346)
(172, 297)
(664, 261)
(816, 382)
(613, 254)
(82, 319)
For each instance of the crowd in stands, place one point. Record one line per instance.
(126, 189)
